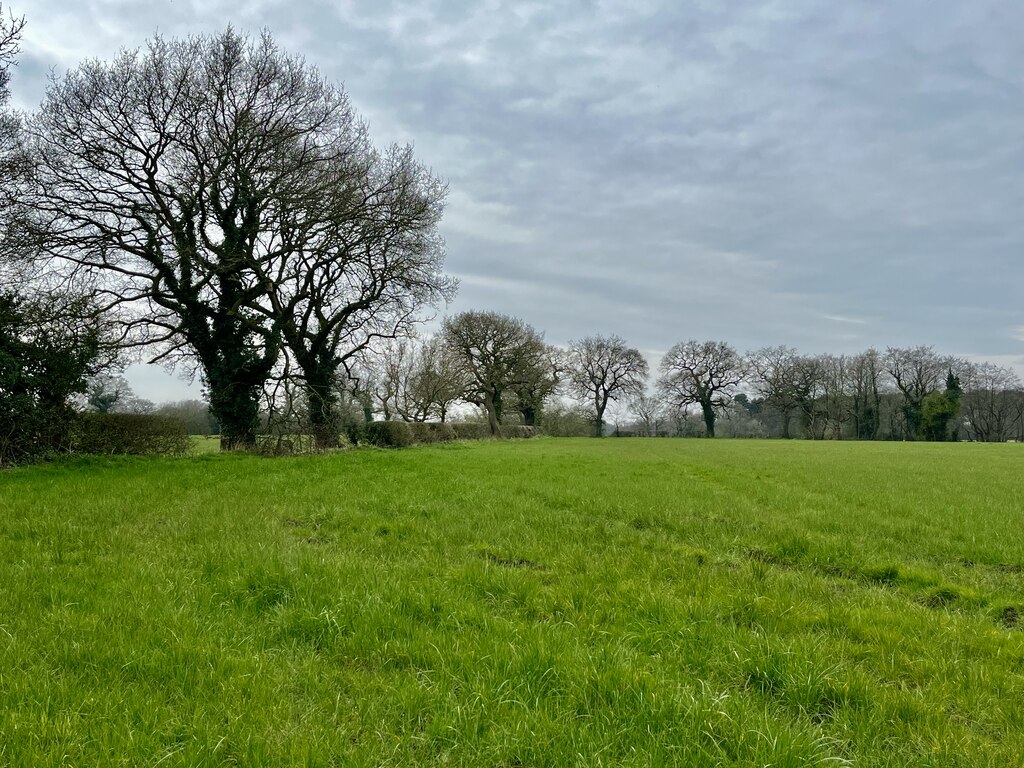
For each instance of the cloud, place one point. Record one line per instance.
(841, 319)
(757, 171)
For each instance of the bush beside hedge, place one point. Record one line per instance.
(129, 434)
(471, 430)
(389, 434)
(431, 432)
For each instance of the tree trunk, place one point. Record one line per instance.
(321, 402)
(234, 390)
(492, 414)
(236, 409)
(709, 418)
(235, 368)
(529, 415)
(787, 417)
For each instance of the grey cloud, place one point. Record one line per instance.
(756, 171)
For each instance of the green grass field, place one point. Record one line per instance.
(539, 603)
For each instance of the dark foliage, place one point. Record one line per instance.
(129, 434)
(46, 354)
(431, 432)
(470, 430)
(389, 434)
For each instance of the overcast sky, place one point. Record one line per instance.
(826, 175)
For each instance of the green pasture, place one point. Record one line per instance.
(518, 603)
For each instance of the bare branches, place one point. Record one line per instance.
(233, 204)
(499, 353)
(604, 369)
(703, 374)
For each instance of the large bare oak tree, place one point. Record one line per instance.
(702, 374)
(499, 354)
(226, 199)
(602, 369)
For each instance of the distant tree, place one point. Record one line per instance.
(106, 391)
(536, 383)
(774, 372)
(1017, 398)
(939, 411)
(603, 369)
(736, 420)
(990, 399)
(416, 380)
(864, 377)
(498, 353)
(651, 415)
(702, 374)
(836, 399)
(916, 372)
(809, 389)
(195, 414)
(567, 420)
(439, 380)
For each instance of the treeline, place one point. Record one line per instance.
(503, 366)
(901, 393)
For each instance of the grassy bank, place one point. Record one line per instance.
(550, 602)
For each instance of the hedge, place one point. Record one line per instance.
(471, 430)
(389, 434)
(129, 433)
(431, 432)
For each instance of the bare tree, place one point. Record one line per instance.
(702, 374)
(836, 401)
(603, 369)
(440, 380)
(989, 403)
(864, 382)
(650, 412)
(365, 275)
(536, 383)
(416, 380)
(11, 158)
(230, 203)
(1017, 399)
(774, 374)
(498, 353)
(916, 372)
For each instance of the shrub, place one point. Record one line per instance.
(129, 433)
(431, 432)
(354, 432)
(471, 430)
(389, 434)
(443, 433)
(420, 432)
(48, 347)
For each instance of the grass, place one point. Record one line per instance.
(538, 603)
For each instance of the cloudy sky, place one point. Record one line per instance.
(820, 174)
